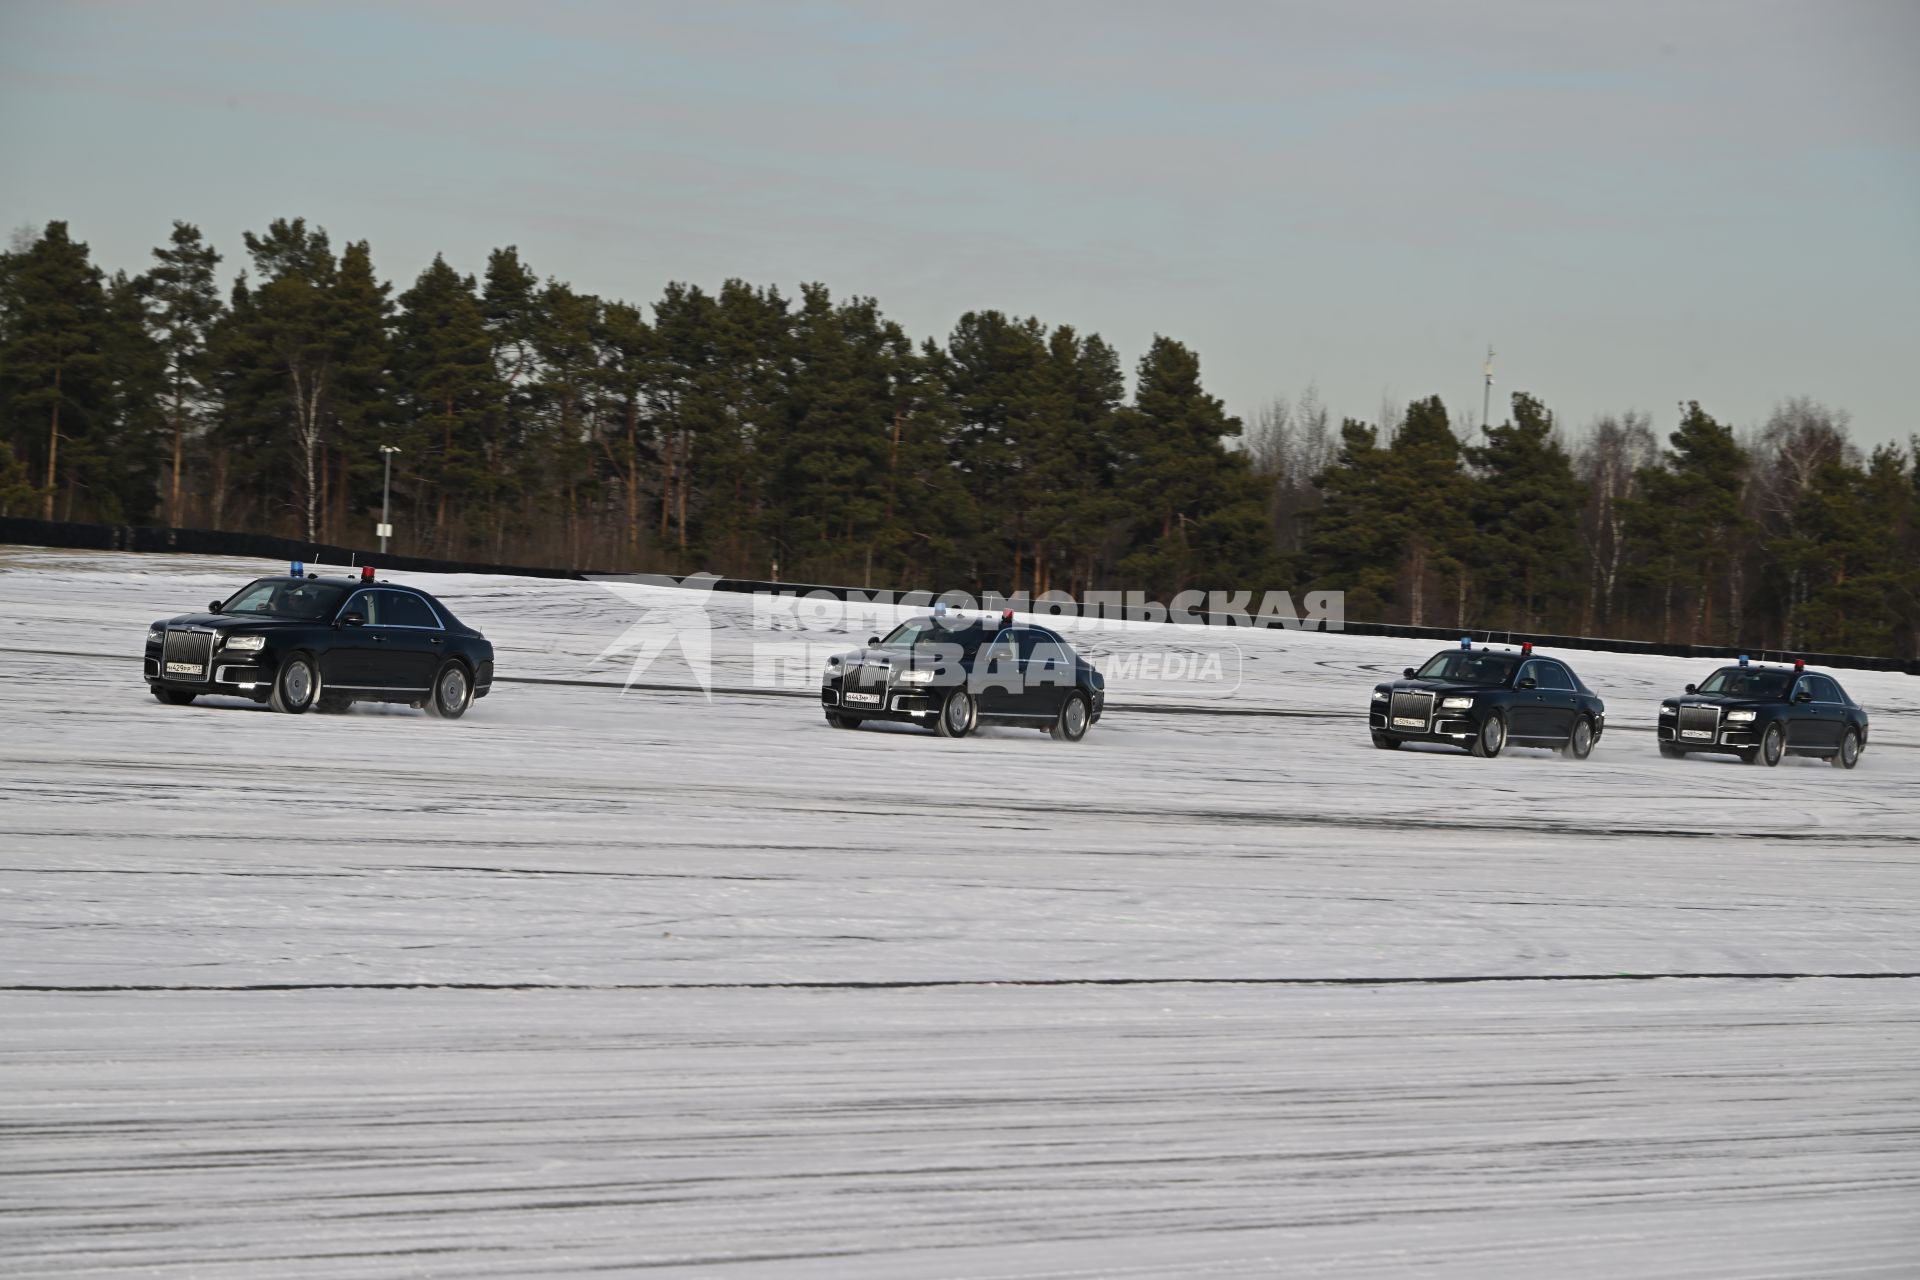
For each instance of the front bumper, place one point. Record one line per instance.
(1455, 728)
(236, 675)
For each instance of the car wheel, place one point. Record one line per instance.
(1071, 724)
(1849, 753)
(296, 686)
(452, 691)
(1670, 751)
(839, 721)
(174, 697)
(1773, 744)
(956, 715)
(1580, 744)
(1385, 743)
(1492, 736)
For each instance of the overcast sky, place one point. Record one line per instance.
(1635, 203)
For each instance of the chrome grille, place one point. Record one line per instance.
(1698, 724)
(186, 655)
(1416, 707)
(866, 684)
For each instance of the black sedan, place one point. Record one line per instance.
(955, 673)
(1483, 699)
(305, 642)
(1762, 714)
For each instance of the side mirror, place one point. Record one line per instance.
(873, 640)
(1408, 673)
(1805, 695)
(1692, 688)
(353, 619)
(214, 607)
(1528, 682)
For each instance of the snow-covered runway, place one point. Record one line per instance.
(589, 981)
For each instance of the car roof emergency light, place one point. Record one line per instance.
(1006, 617)
(1526, 647)
(299, 569)
(366, 573)
(1743, 659)
(1799, 664)
(1466, 642)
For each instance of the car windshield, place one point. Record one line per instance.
(1745, 682)
(1467, 666)
(922, 633)
(286, 598)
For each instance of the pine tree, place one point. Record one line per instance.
(1352, 545)
(52, 383)
(1429, 510)
(183, 302)
(448, 394)
(1689, 516)
(1526, 516)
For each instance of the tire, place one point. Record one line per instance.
(957, 715)
(1385, 743)
(1849, 753)
(452, 691)
(1580, 744)
(1670, 751)
(1492, 737)
(1071, 724)
(1773, 745)
(839, 721)
(296, 686)
(173, 697)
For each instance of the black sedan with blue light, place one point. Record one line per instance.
(1487, 699)
(1763, 714)
(953, 673)
(303, 642)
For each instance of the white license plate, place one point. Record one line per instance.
(1410, 722)
(184, 669)
(864, 697)
(1696, 733)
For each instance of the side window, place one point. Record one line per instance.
(1553, 676)
(1048, 659)
(1528, 671)
(402, 609)
(367, 605)
(1001, 650)
(1824, 690)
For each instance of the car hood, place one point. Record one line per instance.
(231, 622)
(1722, 701)
(1439, 687)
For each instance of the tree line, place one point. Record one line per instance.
(809, 438)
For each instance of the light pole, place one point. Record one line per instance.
(386, 494)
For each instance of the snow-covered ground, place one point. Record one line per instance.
(593, 981)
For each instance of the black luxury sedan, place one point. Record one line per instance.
(306, 642)
(955, 673)
(1763, 713)
(1483, 699)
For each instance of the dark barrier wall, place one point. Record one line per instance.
(212, 542)
(102, 537)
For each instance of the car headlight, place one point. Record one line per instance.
(1379, 695)
(917, 675)
(1669, 708)
(156, 634)
(1741, 717)
(244, 643)
(1456, 704)
(833, 661)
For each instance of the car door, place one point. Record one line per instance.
(352, 660)
(1048, 669)
(1559, 702)
(1527, 713)
(412, 638)
(1825, 716)
(997, 683)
